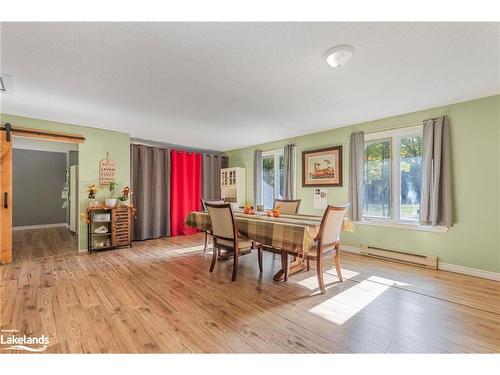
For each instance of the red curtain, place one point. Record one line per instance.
(185, 189)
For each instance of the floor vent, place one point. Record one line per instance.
(428, 261)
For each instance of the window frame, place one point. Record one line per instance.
(394, 136)
(276, 154)
(381, 218)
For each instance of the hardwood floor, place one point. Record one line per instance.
(160, 297)
(39, 243)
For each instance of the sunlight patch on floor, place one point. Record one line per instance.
(343, 306)
(192, 249)
(383, 280)
(329, 276)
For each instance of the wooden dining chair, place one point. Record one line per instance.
(204, 207)
(288, 206)
(326, 243)
(226, 236)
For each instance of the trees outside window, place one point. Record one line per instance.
(393, 175)
(273, 177)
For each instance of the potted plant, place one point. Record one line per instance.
(92, 190)
(126, 193)
(111, 202)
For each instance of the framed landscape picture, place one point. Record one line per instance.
(322, 167)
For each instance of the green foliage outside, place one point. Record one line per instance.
(377, 178)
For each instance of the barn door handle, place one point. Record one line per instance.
(6, 200)
(8, 128)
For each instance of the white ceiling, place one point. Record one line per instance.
(226, 85)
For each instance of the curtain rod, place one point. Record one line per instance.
(201, 152)
(197, 152)
(402, 126)
(146, 142)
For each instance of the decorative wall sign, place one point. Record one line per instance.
(322, 167)
(106, 171)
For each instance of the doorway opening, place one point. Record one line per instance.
(45, 213)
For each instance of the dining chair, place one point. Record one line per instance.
(226, 236)
(288, 206)
(213, 201)
(326, 243)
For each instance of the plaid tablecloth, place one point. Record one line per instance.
(292, 232)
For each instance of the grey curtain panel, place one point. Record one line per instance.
(150, 172)
(356, 151)
(210, 179)
(436, 201)
(257, 177)
(289, 159)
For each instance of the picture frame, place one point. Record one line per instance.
(322, 167)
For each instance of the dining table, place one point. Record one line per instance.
(287, 232)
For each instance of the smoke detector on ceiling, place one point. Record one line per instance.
(339, 55)
(5, 83)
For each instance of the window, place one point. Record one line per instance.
(410, 176)
(392, 175)
(273, 177)
(377, 179)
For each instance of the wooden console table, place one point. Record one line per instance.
(118, 224)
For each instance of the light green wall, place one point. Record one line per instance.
(97, 143)
(474, 241)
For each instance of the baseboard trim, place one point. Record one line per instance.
(443, 266)
(469, 271)
(40, 226)
(350, 249)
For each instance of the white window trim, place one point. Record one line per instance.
(278, 151)
(390, 133)
(276, 154)
(401, 225)
(395, 221)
